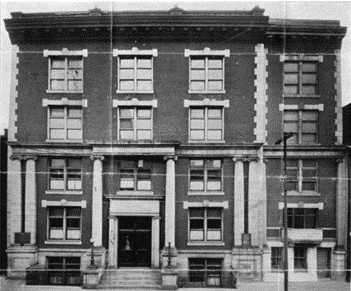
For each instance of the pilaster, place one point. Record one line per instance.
(113, 242)
(338, 99)
(96, 230)
(341, 203)
(255, 216)
(155, 242)
(238, 200)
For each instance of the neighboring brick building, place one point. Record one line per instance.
(156, 129)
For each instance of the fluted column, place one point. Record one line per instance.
(97, 201)
(238, 201)
(14, 198)
(31, 199)
(170, 201)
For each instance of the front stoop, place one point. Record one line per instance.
(130, 278)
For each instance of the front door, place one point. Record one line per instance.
(134, 241)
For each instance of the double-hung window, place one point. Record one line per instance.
(65, 70)
(65, 174)
(206, 70)
(303, 124)
(302, 175)
(277, 258)
(65, 123)
(205, 224)
(205, 175)
(64, 270)
(300, 258)
(64, 223)
(300, 78)
(135, 175)
(205, 271)
(135, 70)
(135, 123)
(302, 217)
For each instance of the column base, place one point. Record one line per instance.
(338, 265)
(248, 263)
(19, 259)
(99, 257)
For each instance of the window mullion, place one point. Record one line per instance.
(65, 174)
(300, 126)
(205, 224)
(135, 73)
(300, 171)
(135, 111)
(205, 175)
(206, 123)
(64, 224)
(135, 170)
(300, 78)
(66, 74)
(206, 74)
(66, 121)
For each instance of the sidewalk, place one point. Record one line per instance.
(18, 285)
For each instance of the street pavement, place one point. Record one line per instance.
(19, 285)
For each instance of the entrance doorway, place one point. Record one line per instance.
(134, 241)
(323, 262)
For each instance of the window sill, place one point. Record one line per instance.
(207, 92)
(134, 193)
(64, 92)
(62, 242)
(302, 193)
(300, 96)
(205, 243)
(205, 141)
(62, 192)
(64, 141)
(205, 193)
(134, 92)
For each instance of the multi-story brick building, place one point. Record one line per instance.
(152, 135)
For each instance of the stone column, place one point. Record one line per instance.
(96, 228)
(113, 242)
(14, 198)
(254, 201)
(155, 242)
(238, 201)
(170, 201)
(31, 199)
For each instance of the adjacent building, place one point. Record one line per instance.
(152, 136)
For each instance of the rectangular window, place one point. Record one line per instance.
(65, 174)
(206, 124)
(205, 271)
(64, 223)
(300, 258)
(303, 124)
(300, 78)
(135, 176)
(135, 74)
(135, 123)
(65, 123)
(206, 74)
(66, 74)
(205, 224)
(205, 175)
(302, 175)
(64, 270)
(302, 217)
(277, 258)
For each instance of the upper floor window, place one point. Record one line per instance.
(135, 175)
(205, 224)
(304, 125)
(135, 70)
(65, 70)
(206, 124)
(205, 175)
(65, 123)
(206, 70)
(302, 175)
(135, 123)
(302, 217)
(64, 223)
(65, 174)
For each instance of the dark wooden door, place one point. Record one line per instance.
(134, 242)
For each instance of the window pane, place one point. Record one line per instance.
(57, 85)
(126, 113)
(197, 86)
(291, 115)
(197, 75)
(309, 79)
(197, 63)
(214, 63)
(197, 113)
(57, 134)
(310, 115)
(309, 138)
(215, 85)
(126, 124)
(215, 75)
(144, 124)
(74, 123)
(291, 186)
(126, 85)
(196, 235)
(74, 163)
(214, 185)
(75, 74)
(214, 163)
(309, 127)
(143, 134)
(74, 112)
(144, 74)
(144, 113)
(126, 74)
(144, 185)
(74, 134)
(126, 134)
(291, 67)
(57, 74)
(127, 62)
(144, 85)
(75, 63)
(291, 79)
(57, 123)
(308, 89)
(197, 124)
(144, 63)
(215, 113)
(214, 124)
(197, 163)
(196, 185)
(213, 212)
(74, 184)
(57, 63)
(308, 186)
(56, 233)
(73, 234)
(127, 183)
(214, 135)
(291, 127)
(197, 134)
(291, 89)
(309, 67)
(57, 112)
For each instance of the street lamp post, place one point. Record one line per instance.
(286, 136)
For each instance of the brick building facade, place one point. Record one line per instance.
(151, 135)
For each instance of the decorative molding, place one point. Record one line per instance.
(338, 99)
(65, 52)
(246, 158)
(135, 51)
(206, 102)
(135, 102)
(206, 52)
(13, 94)
(170, 157)
(205, 203)
(65, 102)
(100, 157)
(319, 107)
(64, 202)
(301, 57)
(260, 95)
(319, 205)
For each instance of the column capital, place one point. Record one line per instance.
(156, 217)
(94, 157)
(34, 158)
(246, 158)
(339, 160)
(171, 157)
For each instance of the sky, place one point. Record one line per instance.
(331, 10)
